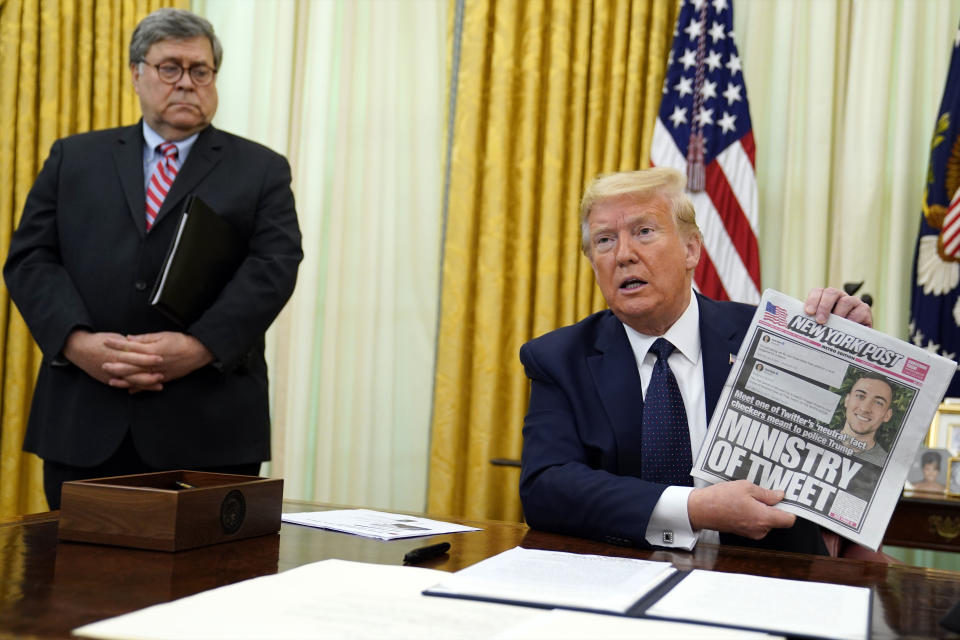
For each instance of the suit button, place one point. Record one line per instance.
(140, 285)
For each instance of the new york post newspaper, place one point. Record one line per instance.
(831, 414)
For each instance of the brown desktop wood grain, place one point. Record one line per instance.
(48, 587)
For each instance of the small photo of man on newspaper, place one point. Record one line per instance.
(868, 406)
(869, 418)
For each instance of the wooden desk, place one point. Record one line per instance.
(47, 589)
(925, 521)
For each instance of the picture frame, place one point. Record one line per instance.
(943, 430)
(953, 438)
(953, 486)
(929, 471)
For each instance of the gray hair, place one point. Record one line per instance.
(644, 184)
(172, 24)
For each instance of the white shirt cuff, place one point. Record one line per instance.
(669, 524)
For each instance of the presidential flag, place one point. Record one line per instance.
(704, 130)
(934, 306)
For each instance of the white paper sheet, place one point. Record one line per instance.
(561, 624)
(600, 583)
(328, 599)
(792, 607)
(374, 524)
(341, 599)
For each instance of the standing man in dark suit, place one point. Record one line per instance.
(591, 467)
(122, 389)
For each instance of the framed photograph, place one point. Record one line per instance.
(953, 487)
(944, 432)
(953, 438)
(928, 473)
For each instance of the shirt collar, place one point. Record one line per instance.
(153, 140)
(684, 334)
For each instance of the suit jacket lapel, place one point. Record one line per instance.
(617, 382)
(719, 341)
(204, 156)
(128, 157)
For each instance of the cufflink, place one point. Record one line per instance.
(733, 358)
(668, 537)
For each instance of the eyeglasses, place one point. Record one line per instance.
(171, 72)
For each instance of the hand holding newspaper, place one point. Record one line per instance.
(831, 414)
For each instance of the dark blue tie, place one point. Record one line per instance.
(665, 455)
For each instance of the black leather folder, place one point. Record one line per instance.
(203, 255)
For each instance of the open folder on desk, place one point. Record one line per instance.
(631, 587)
(202, 257)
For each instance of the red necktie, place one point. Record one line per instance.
(160, 181)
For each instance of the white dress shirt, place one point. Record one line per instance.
(151, 156)
(669, 524)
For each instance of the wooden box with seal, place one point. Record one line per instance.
(170, 510)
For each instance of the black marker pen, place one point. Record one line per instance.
(426, 553)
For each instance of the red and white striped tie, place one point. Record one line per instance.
(160, 181)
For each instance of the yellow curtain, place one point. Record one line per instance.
(547, 95)
(63, 70)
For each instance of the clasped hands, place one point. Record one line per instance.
(742, 507)
(137, 363)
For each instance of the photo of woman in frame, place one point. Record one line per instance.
(929, 471)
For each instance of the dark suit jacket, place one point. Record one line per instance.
(81, 257)
(581, 437)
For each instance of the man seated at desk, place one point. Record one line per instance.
(607, 444)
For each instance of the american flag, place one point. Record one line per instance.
(704, 130)
(775, 315)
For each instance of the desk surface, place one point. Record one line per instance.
(47, 589)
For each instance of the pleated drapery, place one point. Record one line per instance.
(63, 70)
(351, 91)
(548, 94)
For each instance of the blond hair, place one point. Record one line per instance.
(645, 184)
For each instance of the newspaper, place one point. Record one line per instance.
(831, 414)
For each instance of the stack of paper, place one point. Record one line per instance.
(655, 589)
(554, 579)
(340, 599)
(375, 524)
